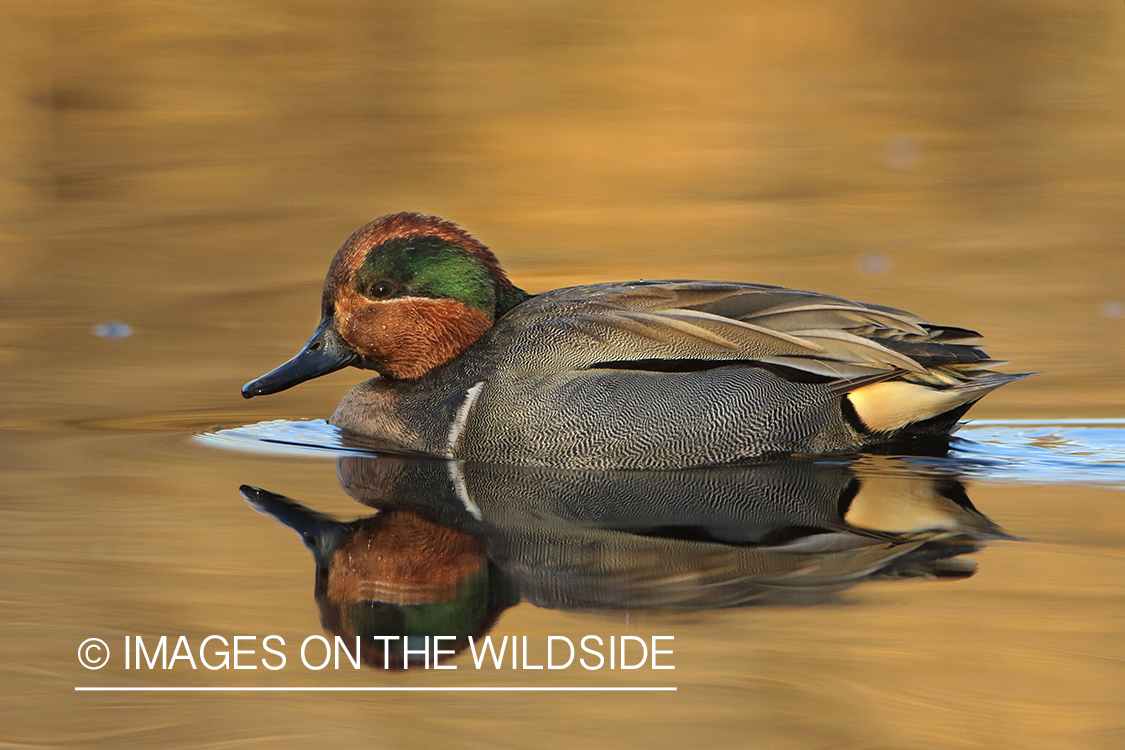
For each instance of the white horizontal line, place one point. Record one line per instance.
(369, 689)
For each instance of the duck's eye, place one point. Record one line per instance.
(380, 290)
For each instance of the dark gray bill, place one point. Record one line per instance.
(326, 352)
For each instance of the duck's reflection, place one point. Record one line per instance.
(397, 574)
(455, 544)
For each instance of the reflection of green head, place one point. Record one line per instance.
(460, 616)
(471, 611)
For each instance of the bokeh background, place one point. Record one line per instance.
(181, 173)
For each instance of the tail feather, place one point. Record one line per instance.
(894, 405)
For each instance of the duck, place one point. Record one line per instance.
(663, 374)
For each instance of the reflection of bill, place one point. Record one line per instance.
(93, 653)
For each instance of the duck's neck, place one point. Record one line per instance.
(508, 295)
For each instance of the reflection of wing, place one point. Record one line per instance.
(699, 538)
(694, 325)
(717, 537)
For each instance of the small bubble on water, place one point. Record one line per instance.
(1113, 308)
(874, 264)
(113, 330)
(901, 153)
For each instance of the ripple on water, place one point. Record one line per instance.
(1041, 451)
(312, 437)
(1017, 450)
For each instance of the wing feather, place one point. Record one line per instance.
(724, 322)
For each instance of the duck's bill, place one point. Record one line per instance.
(326, 352)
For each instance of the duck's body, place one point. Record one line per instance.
(649, 374)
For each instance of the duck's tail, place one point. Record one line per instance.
(919, 406)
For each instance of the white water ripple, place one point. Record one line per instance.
(1075, 451)
(1044, 451)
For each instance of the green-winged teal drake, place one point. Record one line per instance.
(643, 374)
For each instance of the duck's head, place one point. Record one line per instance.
(404, 295)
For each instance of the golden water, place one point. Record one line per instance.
(189, 169)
